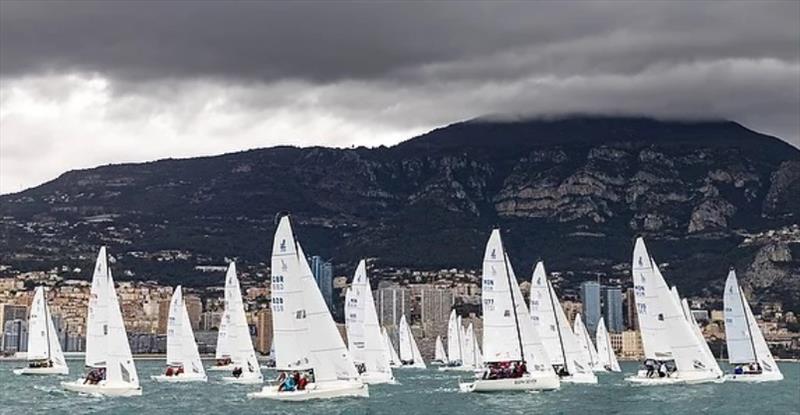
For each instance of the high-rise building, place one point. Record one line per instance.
(590, 298)
(10, 312)
(392, 303)
(323, 275)
(435, 306)
(632, 320)
(264, 330)
(194, 307)
(612, 308)
(163, 316)
(15, 336)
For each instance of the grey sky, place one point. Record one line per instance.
(87, 83)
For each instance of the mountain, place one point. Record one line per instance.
(574, 191)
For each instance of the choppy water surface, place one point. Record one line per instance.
(420, 392)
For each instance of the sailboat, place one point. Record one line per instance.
(305, 336)
(698, 334)
(394, 358)
(455, 344)
(108, 353)
(746, 345)
(222, 354)
(673, 352)
(473, 360)
(364, 336)
(605, 352)
(439, 355)
(514, 357)
(410, 356)
(585, 342)
(183, 358)
(44, 351)
(552, 326)
(246, 369)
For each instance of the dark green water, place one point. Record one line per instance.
(420, 392)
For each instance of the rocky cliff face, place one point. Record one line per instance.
(573, 191)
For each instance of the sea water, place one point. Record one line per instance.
(420, 392)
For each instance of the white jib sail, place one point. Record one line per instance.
(241, 345)
(394, 357)
(687, 350)
(120, 368)
(330, 357)
(439, 354)
(366, 342)
(746, 343)
(574, 356)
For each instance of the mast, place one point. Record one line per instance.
(558, 325)
(513, 303)
(460, 341)
(47, 323)
(747, 321)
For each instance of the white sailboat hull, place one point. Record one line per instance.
(243, 380)
(525, 383)
(583, 378)
(675, 378)
(55, 370)
(102, 388)
(224, 368)
(414, 366)
(179, 378)
(326, 390)
(755, 378)
(376, 378)
(459, 369)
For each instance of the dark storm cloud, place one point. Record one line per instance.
(136, 81)
(327, 41)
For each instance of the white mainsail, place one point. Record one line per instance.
(97, 315)
(585, 342)
(647, 289)
(605, 351)
(366, 343)
(439, 354)
(509, 334)
(409, 352)
(223, 347)
(43, 341)
(746, 343)
(553, 327)
(238, 331)
(181, 346)
(454, 341)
